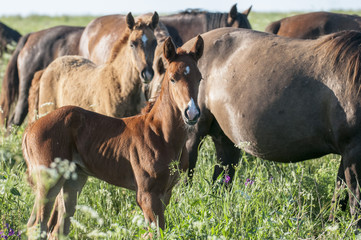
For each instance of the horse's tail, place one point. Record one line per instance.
(34, 96)
(273, 27)
(10, 85)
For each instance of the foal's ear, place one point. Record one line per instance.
(155, 20)
(169, 50)
(197, 48)
(246, 12)
(130, 21)
(233, 12)
(160, 66)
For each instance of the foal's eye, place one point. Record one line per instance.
(172, 80)
(132, 44)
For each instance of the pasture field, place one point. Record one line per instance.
(266, 201)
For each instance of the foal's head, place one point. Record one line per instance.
(143, 43)
(183, 78)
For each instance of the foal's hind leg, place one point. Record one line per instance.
(72, 190)
(66, 203)
(43, 206)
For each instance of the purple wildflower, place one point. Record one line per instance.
(227, 179)
(271, 179)
(249, 182)
(11, 232)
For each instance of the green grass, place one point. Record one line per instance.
(285, 201)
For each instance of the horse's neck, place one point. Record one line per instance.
(166, 120)
(216, 20)
(125, 72)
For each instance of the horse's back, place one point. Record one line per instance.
(100, 35)
(313, 25)
(61, 81)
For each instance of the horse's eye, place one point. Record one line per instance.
(132, 44)
(172, 80)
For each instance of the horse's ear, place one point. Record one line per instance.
(233, 13)
(155, 20)
(198, 47)
(169, 50)
(246, 12)
(130, 21)
(160, 66)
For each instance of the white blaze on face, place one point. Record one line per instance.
(144, 39)
(192, 111)
(187, 71)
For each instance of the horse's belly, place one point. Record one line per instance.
(278, 132)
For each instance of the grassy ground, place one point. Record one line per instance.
(267, 200)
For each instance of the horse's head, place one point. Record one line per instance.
(143, 43)
(238, 20)
(183, 78)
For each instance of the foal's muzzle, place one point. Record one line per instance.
(147, 75)
(192, 113)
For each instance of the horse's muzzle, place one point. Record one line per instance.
(192, 113)
(147, 75)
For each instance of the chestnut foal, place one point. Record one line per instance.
(133, 153)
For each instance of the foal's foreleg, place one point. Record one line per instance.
(152, 206)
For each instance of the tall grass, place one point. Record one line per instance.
(267, 200)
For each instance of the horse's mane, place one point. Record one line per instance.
(193, 11)
(140, 23)
(343, 50)
(149, 106)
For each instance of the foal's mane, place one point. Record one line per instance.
(140, 23)
(343, 50)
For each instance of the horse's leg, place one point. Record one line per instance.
(194, 140)
(67, 201)
(340, 184)
(227, 153)
(54, 215)
(152, 207)
(44, 202)
(352, 167)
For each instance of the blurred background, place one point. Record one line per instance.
(86, 7)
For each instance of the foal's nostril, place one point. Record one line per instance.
(147, 74)
(192, 114)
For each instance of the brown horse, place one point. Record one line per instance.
(7, 36)
(113, 88)
(34, 52)
(186, 25)
(133, 153)
(313, 25)
(100, 35)
(282, 99)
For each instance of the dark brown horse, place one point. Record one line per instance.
(100, 35)
(34, 52)
(185, 25)
(7, 36)
(282, 99)
(133, 153)
(315, 24)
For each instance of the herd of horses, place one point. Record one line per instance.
(288, 94)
